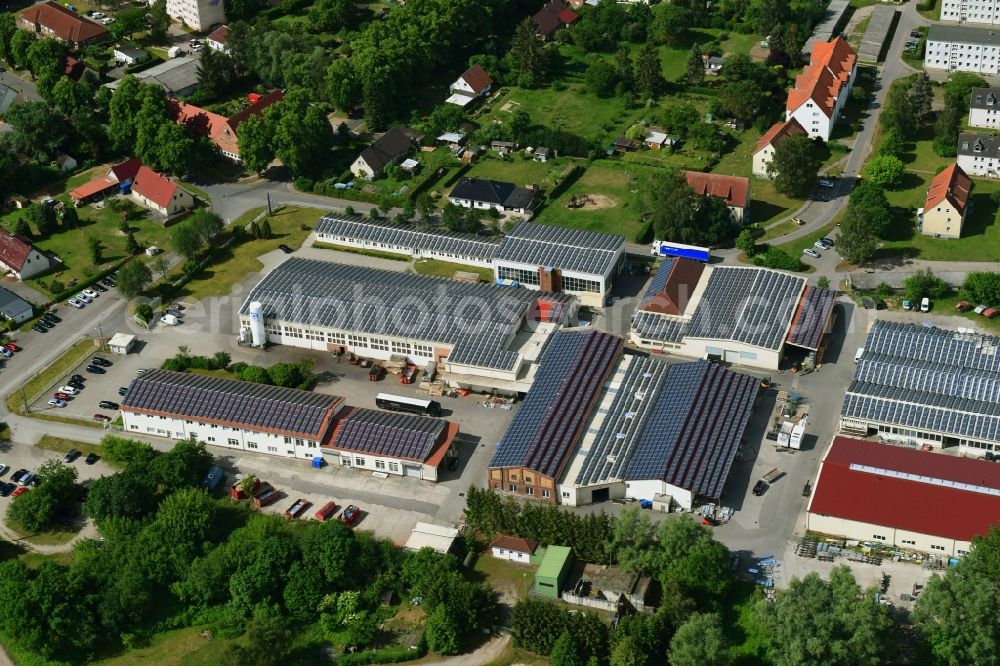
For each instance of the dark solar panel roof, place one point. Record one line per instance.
(750, 305)
(654, 326)
(693, 431)
(405, 305)
(360, 229)
(388, 434)
(811, 317)
(928, 379)
(571, 372)
(561, 247)
(242, 404)
(658, 281)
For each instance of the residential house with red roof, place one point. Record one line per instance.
(217, 39)
(734, 189)
(513, 548)
(160, 194)
(554, 15)
(471, 85)
(903, 497)
(821, 90)
(20, 258)
(946, 205)
(118, 177)
(220, 130)
(52, 20)
(764, 151)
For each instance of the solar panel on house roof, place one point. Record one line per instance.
(379, 302)
(658, 281)
(561, 247)
(751, 305)
(250, 406)
(388, 434)
(571, 372)
(404, 235)
(694, 430)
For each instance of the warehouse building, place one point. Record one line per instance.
(598, 425)
(904, 498)
(391, 443)
(484, 336)
(926, 387)
(536, 256)
(233, 414)
(743, 315)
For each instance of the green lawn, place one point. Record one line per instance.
(62, 445)
(519, 171)
(289, 226)
(359, 250)
(447, 269)
(569, 107)
(180, 647)
(767, 204)
(505, 575)
(71, 246)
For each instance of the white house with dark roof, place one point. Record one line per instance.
(984, 108)
(979, 154)
(20, 258)
(14, 308)
(505, 198)
(390, 148)
(471, 85)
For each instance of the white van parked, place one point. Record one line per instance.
(925, 304)
(861, 352)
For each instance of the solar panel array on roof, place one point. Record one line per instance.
(571, 372)
(388, 434)
(246, 405)
(694, 430)
(654, 326)
(927, 379)
(561, 247)
(403, 305)
(811, 317)
(357, 228)
(658, 282)
(750, 305)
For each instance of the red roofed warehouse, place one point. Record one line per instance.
(50, 19)
(734, 189)
(159, 193)
(946, 204)
(904, 497)
(764, 151)
(822, 88)
(20, 258)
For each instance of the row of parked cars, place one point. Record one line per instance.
(86, 296)
(822, 244)
(76, 383)
(47, 322)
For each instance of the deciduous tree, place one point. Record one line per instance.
(700, 642)
(601, 78)
(856, 241)
(794, 166)
(133, 278)
(884, 170)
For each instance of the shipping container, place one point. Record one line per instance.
(327, 512)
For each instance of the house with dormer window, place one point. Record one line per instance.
(984, 108)
(979, 154)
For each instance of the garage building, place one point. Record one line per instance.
(743, 315)
(484, 336)
(599, 425)
(900, 497)
(14, 308)
(926, 387)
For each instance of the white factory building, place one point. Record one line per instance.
(557, 259)
(955, 48)
(482, 336)
(742, 315)
(924, 387)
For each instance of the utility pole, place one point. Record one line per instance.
(269, 211)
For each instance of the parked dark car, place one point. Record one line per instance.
(284, 248)
(71, 455)
(6, 489)
(100, 287)
(122, 390)
(39, 328)
(97, 370)
(103, 362)
(55, 319)
(75, 384)
(46, 323)
(18, 475)
(78, 378)
(107, 404)
(760, 488)
(91, 458)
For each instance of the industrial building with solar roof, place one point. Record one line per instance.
(902, 497)
(483, 336)
(599, 424)
(927, 387)
(285, 422)
(738, 314)
(536, 256)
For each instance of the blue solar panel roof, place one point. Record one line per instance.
(570, 375)
(388, 434)
(658, 281)
(810, 320)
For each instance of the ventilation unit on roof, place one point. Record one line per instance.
(639, 395)
(620, 435)
(647, 375)
(612, 458)
(630, 415)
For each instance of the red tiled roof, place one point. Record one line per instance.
(951, 184)
(829, 69)
(219, 34)
(255, 109)
(92, 187)
(13, 250)
(205, 123)
(477, 78)
(778, 132)
(677, 290)
(734, 189)
(912, 505)
(514, 543)
(153, 186)
(567, 16)
(64, 24)
(126, 170)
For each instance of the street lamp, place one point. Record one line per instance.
(524, 585)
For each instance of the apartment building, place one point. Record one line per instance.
(955, 48)
(984, 107)
(197, 14)
(822, 89)
(979, 154)
(970, 11)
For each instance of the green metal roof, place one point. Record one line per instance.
(555, 560)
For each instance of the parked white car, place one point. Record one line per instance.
(75, 303)
(811, 252)
(82, 297)
(170, 320)
(91, 293)
(107, 21)
(68, 390)
(56, 402)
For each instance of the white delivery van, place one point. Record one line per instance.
(861, 352)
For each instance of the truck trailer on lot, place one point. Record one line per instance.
(298, 508)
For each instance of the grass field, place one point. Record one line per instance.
(518, 171)
(447, 269)
(71, 245)
(568, 106)
(180, 647)
(62, 445)
(618, 210)
(234, 263)
(35, 386)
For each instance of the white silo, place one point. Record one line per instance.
(257, 334)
